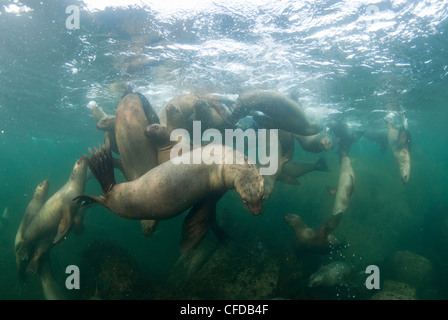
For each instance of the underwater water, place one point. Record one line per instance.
(355, 61)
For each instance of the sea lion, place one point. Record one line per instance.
(316, 143)
(330, 275)
(400, 143)
(285, 154)
(104, 122)
(284, 113)
(138, 154)
(169, 189)
(295, 169)
(346, 184)
(314, 240)
(160, 137)
(212, 114)
(50, 287)
(178, 112)
(39, 197)
(346, 137)
(54, 219)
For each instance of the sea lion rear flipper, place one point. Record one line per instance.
(197, 221)
(64, 225)
(89, 200)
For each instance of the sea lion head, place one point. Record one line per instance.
(251, 189)
(79, 169)
(325, 142)
(315, 280)
(106, 124)
(157, 133)
(42, 189)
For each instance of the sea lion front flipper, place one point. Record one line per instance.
(64, 225)
(149, 227)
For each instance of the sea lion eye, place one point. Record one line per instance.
(245, 201)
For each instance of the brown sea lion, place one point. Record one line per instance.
(295, 169)
(53, 221)
(285, 154)
(314, 240)
(346, 184)
(160, 137)
(138, 154)
(178, 112)
(39, 197)
(316, 143)
(283, 112)
(169, 189)
(400, 144)
(212, 114)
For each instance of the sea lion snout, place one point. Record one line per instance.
(255, 207)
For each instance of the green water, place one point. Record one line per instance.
(45, 126)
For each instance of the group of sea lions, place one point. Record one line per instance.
(137, 142)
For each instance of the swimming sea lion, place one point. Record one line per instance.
(39, 197)
(169, 189)
(53, 221)
(178, 112)
(50, 287)
(341, 130)
(400, 144)
(346, 184)
(314, 240)
(295, 169)
(316, 143)
(285, 113)
(210, 117)
(138, 154)
(159, 135)
(330, 275)
(285, 154)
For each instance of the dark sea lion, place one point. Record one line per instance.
(169, 189)
(315, 143)
(295, 169)
(138, 154)
(330, 275)
(346, 137)
(285, 113)
(39, 197)
(314, 240)
(346, 185)
(285, 154)
(53, 221)
(400, 143)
